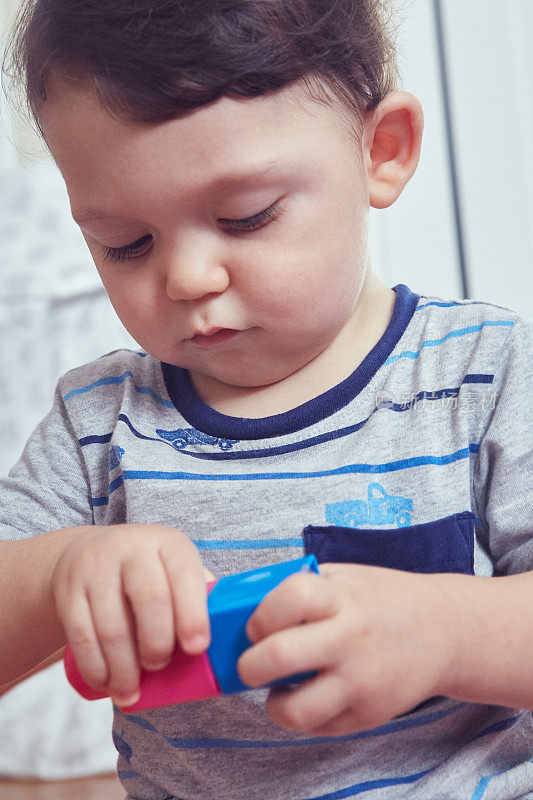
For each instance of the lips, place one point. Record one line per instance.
(214, 336)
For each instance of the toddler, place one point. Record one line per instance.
(220, 158)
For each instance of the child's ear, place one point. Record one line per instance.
(392, 139)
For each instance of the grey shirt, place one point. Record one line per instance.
(420, 460)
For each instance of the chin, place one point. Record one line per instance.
(254, 376)
(244, 381)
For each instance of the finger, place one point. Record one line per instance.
(346, 722)
(115, 631)
(311, 706)
(287, 652)
(331, 569)
(187, 582)
(304, 597)
(146, 587)
(81, 635)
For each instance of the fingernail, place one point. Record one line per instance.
(127, 700)
(198, 642)
(157, 667)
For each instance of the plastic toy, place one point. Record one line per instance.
(231, 601)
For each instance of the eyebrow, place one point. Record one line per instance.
(235, 178)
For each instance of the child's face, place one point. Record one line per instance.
(290, 287)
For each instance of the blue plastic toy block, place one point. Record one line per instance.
(231, 603)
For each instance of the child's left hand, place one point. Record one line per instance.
(382, 641)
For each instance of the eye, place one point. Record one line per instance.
(256, 222)
(135, 249)
(113, 254)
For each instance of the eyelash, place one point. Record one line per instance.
(129, 251)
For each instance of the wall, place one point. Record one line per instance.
(469, 207)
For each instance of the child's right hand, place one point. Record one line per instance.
(124, 594)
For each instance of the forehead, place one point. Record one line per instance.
(73, 107)
(96, 151)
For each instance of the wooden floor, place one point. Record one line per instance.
(102, 787)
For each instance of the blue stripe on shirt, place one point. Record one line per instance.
(249, 744)
(463, 303)
(114, 379)
(451, 334)
(502, 725)
(246, 544)
(371, 469)
(439, 304)
(366, 786)
(484, 782)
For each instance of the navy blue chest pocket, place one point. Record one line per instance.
(443, 545)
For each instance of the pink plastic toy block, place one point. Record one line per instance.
(185, 678)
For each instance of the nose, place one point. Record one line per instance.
(192, 275)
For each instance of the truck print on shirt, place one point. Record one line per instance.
(380, 508)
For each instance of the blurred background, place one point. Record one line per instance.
(463, 227)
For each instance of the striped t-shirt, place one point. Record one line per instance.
(420, 460)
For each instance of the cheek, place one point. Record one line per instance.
(326, 287)
(134, 302)
(320, 266)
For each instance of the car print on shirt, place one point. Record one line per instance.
(379, 509)
(181, 437)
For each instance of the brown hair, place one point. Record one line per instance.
(154, 60)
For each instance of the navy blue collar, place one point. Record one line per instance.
(204, 418)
